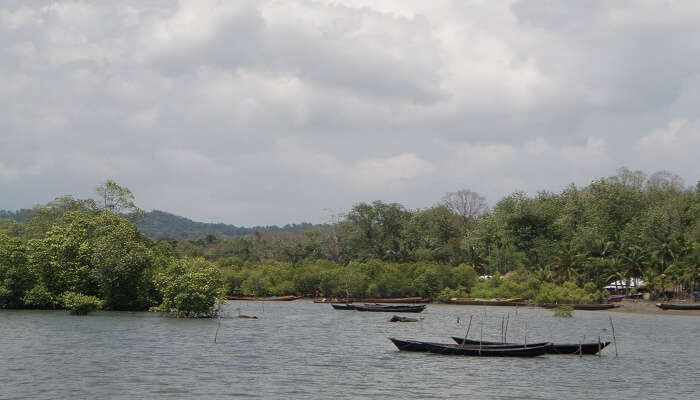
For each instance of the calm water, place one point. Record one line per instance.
(305, 350)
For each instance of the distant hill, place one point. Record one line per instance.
(160, 224)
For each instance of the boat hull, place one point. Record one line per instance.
(555, 348)
(486, 351)
(668, 306)
(390, 308)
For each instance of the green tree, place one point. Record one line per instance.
(189, 287)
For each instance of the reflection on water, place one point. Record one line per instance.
(305, 350)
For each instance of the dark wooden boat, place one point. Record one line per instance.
(410, 345)
(470, 342)
(487, 351)
(493, 302)
(587, 307)
(259, 298)
(556, 348)
(417, 345)
(398, 318)
(686, 306)
(398, 300)
(390, 308)
(343, 306)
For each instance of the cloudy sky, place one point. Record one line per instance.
(272, 112)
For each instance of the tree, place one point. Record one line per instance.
(189, 287)
(117, 199)
(467, 204)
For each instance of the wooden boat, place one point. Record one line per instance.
(492, 302)
(587, 307)
(398, 318)
(343, 306)
(470, 342)
(686, 306)
(390, 308)
(487, 351)
(417, 345)
(399, 300)
(556, 348)
(261, 298)
(410, 345)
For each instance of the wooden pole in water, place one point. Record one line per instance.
(503, 322)
(613, 333)
(505, 334)
(598, 346)
(526, 334)
(481, 339)
(467, 334)
(218, 325)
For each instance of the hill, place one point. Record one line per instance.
(160, 224)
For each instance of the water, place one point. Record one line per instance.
(304, 350)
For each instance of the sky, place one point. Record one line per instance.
(273, 112)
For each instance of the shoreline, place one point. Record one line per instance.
(649, 307)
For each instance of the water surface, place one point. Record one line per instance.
(304, 350)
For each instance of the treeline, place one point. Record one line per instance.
(618, 228)
(551, 247)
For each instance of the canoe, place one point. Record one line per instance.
(556, 348)
(485, 351)
(260, 298)
(480, 302)
(399, 300)
(587, 307)
(410, 345)
(417, 345)
(390, 308)
(343, 306)
(687, 306)
(470, 342)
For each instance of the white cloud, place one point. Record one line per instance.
(391, 170)
(272, 111)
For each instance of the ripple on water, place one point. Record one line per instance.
(306, 350)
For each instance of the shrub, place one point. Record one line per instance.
(80, 304)
(189, 287)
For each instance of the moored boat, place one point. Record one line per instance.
(590, 348)
(399, 300)
(487, 351)
(418, 345)
(686, 306)
(343, 306)
(390, 308)
(261, 298)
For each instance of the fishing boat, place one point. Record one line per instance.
(470, 342)
(343, 306)
(391, 308)
(262, 298)
(417, 345)
(687, 306)
(590, 348)
(587, 307)
(410, 345)
(399, 300)
(487, 351)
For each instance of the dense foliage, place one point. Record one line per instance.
(549, 247)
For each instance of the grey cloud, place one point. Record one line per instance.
(272, 112)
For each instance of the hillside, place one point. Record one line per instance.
(160, 224)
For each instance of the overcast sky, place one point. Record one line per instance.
(273, 112)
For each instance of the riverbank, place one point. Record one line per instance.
(649, 307)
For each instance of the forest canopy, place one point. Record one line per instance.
(551, 247)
